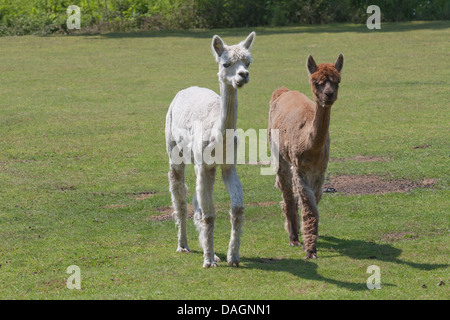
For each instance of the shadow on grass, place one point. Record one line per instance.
(358, 249)
(242, 32)
(355, 249)
(305, 269)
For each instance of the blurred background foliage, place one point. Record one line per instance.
(20, 17)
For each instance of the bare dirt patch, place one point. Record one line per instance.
(143, 195)
(360, 159)
(372, 184)
(166, 213)
(166, 216)
(428, 183)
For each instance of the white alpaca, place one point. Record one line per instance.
(196, 123)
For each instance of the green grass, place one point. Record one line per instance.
(82, 132)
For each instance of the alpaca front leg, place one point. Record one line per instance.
(310, 227)
(234, 188)
(204, 191)
(178, 193)
(310, 217)
(237, 220)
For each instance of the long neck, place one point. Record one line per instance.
(319, 129)
(228, 97)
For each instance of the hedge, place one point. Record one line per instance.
(20, 17)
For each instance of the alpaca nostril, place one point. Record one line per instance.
(329, 94)
(243, 74)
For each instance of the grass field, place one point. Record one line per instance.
(83, 168)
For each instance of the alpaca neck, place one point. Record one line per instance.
(319, 130)
(229, 104)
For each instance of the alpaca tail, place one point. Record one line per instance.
(168, 129)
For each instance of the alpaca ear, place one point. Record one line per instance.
(339, 63)
(247, 43)
(311, 65)
(218, 45)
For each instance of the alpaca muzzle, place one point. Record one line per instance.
(242, 79)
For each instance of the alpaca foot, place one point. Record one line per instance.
(233, 259)
(210, 264)
(183, 249)
(231, 263)
(295, 243)
(311, 255)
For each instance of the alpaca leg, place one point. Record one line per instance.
(205, 221)
(234, 188)
(198, 218)
(290, 202)
(310, 216)
(318, 188)
(318, 195)
(178, 192)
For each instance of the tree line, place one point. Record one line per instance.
(20, 17)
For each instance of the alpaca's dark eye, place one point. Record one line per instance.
(248, 64)
(226, 65)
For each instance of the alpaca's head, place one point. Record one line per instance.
(234, 61)
(324, 79)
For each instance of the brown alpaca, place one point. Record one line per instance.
(303, 147)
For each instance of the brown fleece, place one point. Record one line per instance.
(303, 151)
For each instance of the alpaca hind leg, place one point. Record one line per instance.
(290, 201)
(310, 216)
(205, 223)
(234, 188)
(178, 193)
